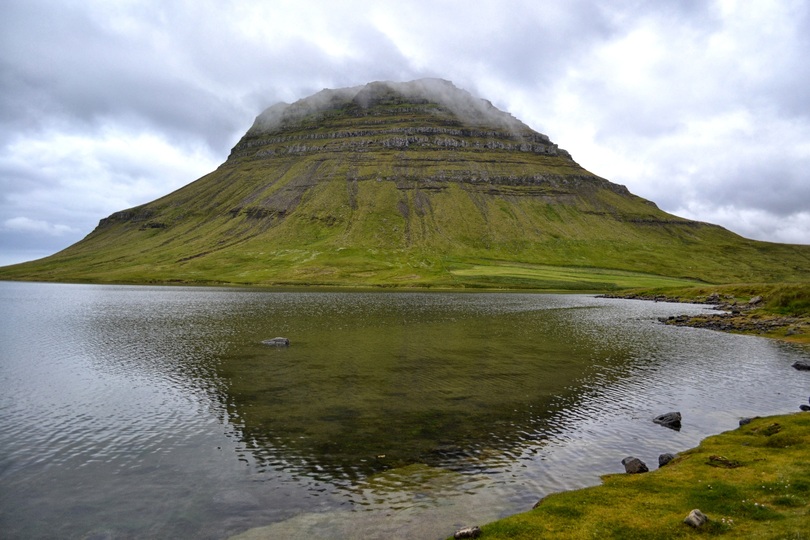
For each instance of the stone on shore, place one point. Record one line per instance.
(468, 532)
(696, 519)
(664, 459)
(723, 462)
(633, 465)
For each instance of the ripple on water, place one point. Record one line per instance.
(160, 404)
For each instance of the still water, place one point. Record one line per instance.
(156, 412)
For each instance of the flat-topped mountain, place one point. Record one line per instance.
(415, 183)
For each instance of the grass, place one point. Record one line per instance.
(766, 496)
(564, 278)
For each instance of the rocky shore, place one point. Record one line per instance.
(751, 482)
(744, 324)
(743, 316)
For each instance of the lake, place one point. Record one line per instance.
(156, 412)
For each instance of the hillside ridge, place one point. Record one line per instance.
(407, 184)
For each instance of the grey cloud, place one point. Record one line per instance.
(197, 76)
(752, 177)
(529, 44)
(779, 188)
(458, 101)
(69, 68)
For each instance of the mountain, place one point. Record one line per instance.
(407, 184)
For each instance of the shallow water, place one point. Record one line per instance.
(156, 412)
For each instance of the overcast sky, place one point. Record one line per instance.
(700, 106)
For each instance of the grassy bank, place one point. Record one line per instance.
(342, 271)
(775, 310)
(753, 482)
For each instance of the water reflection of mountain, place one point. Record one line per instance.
(458, 381)
(155, 399)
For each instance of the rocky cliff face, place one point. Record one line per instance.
(420, 135)
(425, 114)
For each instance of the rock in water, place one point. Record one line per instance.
(802, 365)
(634, 465)
(672, 420)
(277, 342)
(696, 518)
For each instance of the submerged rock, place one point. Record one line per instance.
(672, 420)
(696, 518)
(277, 342)
(633, 465)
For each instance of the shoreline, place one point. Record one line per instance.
(790, 329)
(761, 458)
(749, 481)
(750, 313)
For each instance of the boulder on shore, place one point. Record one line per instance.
(633, 465)
(671, 420)
(468, 532)
(696, 518)
(663, 459)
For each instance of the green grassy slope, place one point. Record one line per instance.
(393, 188)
